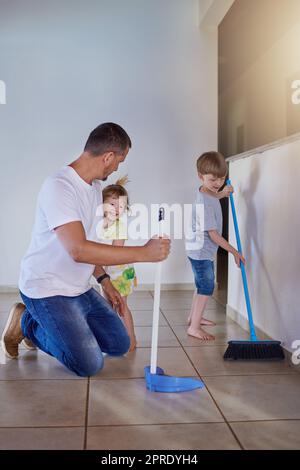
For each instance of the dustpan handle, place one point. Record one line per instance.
(253, 336)
(156, 304)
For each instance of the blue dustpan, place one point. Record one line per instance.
(165, 383)
(156, 380)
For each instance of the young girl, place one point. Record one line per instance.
(123, 277)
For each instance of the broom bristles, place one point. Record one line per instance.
(254, 350)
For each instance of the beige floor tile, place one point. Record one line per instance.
(176, 294)
(41, 438)
(141, 294)
(220, 295)
(42, 403)
(162, 437)
(118, 402)
(223, 333)
(179, 317)
(209, 362)
(172, 360)
(166, 337)
(140, 304)
(257, 397)
(144, 318)
(34, 365)
(269, 435)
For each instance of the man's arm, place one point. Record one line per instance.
(219, 240)
(98, 271)
(72, 236)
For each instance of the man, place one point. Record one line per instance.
(62, 315)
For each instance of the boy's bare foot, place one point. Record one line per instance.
(200, 334)
(204, 321)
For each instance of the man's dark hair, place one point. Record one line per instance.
(107, 137)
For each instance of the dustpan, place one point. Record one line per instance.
(156, 379)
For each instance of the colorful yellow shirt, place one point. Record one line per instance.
(122, 276)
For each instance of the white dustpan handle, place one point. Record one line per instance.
(156, 305)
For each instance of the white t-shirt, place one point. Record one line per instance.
(47, 269)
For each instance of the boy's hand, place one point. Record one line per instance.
(238, 258)
(157, 249)
(227, 191)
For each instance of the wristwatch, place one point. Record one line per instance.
(102, 277)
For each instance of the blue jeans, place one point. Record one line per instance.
(75, 330)
(204, 274)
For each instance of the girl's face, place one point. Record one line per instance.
(211, 182)
(114, 207)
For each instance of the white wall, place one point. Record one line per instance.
(69, 66)
(267, 205)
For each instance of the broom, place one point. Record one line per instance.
(254, 349)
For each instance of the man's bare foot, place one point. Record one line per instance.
(200, 334)
(204, 321)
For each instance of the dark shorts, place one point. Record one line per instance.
(204, 275)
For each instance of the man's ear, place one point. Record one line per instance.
(200, 176)
(108, 158)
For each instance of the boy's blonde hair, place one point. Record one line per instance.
(212, 163)
(116, 190)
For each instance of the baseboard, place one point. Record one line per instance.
(243, 323)
(140, 287)
(8, 289)
(175, 286)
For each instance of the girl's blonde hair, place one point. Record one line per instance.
(117, 190)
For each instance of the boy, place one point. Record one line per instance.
(205, 237)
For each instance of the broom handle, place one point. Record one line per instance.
(156, 305)
(253, 336)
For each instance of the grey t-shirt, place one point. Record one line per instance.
(206, 215)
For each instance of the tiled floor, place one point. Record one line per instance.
(243, 406)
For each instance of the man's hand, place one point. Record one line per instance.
(157, 249)
(113, 296)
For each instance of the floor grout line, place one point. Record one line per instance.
(244, 421)
(86, 415)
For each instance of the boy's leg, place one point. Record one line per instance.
(203, 321)
(58, 326)
(198, 307)
(204, 280)
(107, 326)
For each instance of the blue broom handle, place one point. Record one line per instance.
(253, 336)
